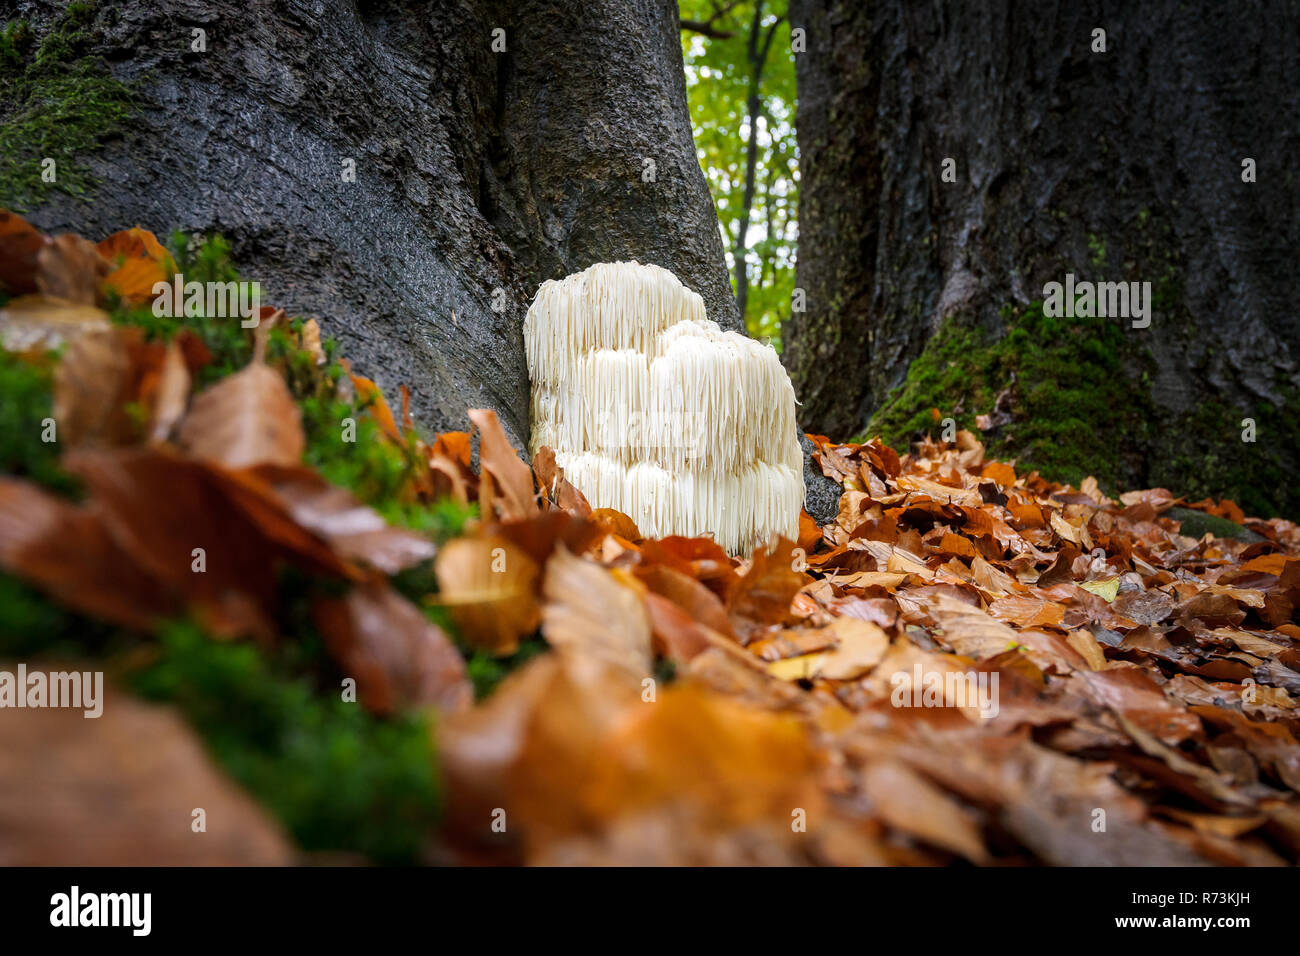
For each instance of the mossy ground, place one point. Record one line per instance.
(56, 103)
(338, 778)
(1081, 405)
(1076, 394)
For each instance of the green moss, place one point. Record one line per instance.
(486, 670)
(1195, 524)
(336, 776)
(56, 102)
(200, 259)
(1070, 392)
(1203, 455)
(25, 407)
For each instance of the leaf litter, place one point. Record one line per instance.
(818, 701)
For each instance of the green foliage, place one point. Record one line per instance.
(1203, 455)
(338, 777)
(202, 259)
(1195, 524)
(719, 77)
(56, 102)
(1079, 404)
(25, 402)
(486, 670)
(32, 625)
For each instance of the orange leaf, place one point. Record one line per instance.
(510, 489)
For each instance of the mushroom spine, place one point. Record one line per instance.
(653, 410)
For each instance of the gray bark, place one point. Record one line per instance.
(475, 170)
(1060, 152)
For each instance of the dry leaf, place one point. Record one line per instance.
(591, 615)
(70, 268)
(247, 419)
(398, 657)
(32, 322)
(510, 490)
(103, 799)
(490, 587)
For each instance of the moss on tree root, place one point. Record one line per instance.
(339, 778)
(1079, 396)
(56, 103)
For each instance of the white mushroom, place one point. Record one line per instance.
(653, 410)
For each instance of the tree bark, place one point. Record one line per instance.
(1122, 165)
(827, 347)
(476, 170)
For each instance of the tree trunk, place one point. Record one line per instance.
(1118, 165)
(476, 170)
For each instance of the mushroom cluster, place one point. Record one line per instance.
(653, 410)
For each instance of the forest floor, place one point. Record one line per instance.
(406, 651)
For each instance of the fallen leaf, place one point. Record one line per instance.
(249, 418)
(591, 615)
(32, 322)
(144, 763)
(1106, 589)
(510, 489)
(68, 267)
(20, 244)
(91, 390)
(355, 531)
(398, 657)
(490, 587)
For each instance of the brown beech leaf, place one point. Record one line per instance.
(145, 763)
(510, 488)
(490, 587)
(310, 342)
(762, 596)
(736, 764)
(370, 396)
(171, 516)
(398, 657)
(20, 243)
(69, 267)
(906, 800)
(617, 523)
(247, 419)
(449, 467)
(355, 531)
(698, 601)
(139, 263)
(67, 552)
(550, 478)
(676, 635)
(169, 396)
(592, 615)
(91, 389)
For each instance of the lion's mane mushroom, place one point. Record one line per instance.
(653, 410)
